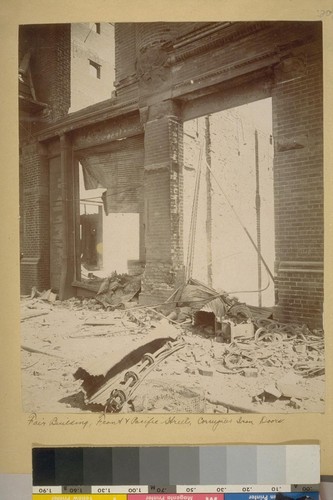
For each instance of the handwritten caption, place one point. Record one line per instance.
(108, 421)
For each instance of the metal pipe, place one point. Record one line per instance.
(258, 214)
(209, 202)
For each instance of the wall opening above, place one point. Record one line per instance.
(236, 192)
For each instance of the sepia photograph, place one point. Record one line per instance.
(171, 195)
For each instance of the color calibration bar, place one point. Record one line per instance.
(235, 472)
(177, 465)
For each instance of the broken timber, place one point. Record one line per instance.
(37, 351)
(33, 315)
(231, 406)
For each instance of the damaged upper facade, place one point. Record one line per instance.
(132, 145)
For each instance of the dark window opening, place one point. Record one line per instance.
(96, 27)
(95, 69)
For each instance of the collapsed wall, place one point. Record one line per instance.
(167, 73)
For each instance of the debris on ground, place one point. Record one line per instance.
(33, 315)
(47, 295)
(118, 289)
(121, 389)
(96, 374)
(200, 351)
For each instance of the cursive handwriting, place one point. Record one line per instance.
(115, 420)
(37, 420)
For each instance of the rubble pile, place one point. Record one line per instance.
(118, 289)
(165, 396)
(200, 351)
(278, 345)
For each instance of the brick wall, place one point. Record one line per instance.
(125, 50)
(130, 38)
(298, 178)
(50, 67)
(297, 117)
(176, 194)
(35, 264)
(300, 296)
(50, 70)
(148, 34)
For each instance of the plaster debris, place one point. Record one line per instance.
(109, 356)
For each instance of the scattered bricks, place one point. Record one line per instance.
(293, 403)
(242, 330)
(206, 372)
(196, 357)
(172, 316)
(290, 378)
(250, 372)
(300, 348)
(272, 390)
(184, 313)
(291, 391)
(191, 369)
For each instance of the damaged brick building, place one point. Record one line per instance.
(132, 145)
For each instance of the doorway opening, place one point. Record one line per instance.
(109, 243)
(233, 151)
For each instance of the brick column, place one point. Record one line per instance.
(35, 244)
(163, 192)
(298, 185)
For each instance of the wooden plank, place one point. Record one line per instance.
(33, 315)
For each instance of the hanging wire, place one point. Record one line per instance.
(254, 291)
(241, 223)
(194, 216)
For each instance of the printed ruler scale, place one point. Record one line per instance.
(233, 472)
(232, 493)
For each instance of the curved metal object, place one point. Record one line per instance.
(131, 375)
(133, 378)
(116, 401)
(148, 357)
